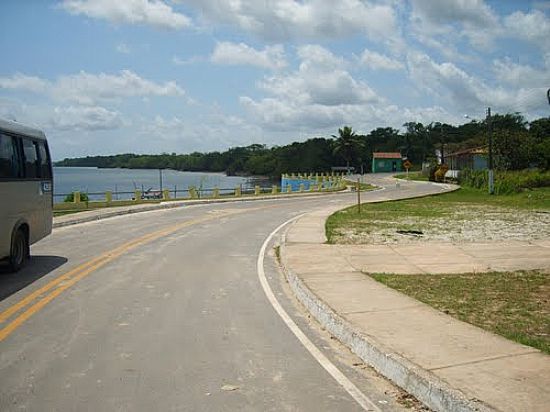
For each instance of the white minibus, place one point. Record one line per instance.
(26, 191)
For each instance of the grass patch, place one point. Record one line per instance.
(420, 213)
(515, 305)
(277, 250)
(412, 176)
(364, 187)
(66, 212)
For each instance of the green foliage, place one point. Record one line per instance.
(347, 144)
(516, 147)
(513, 150)
(70, 198)
(506, 182)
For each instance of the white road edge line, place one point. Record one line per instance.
(355, 393)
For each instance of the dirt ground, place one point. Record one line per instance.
(465, 224)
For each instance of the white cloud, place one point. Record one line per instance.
(454, 19)
(85, 118)
(378, 61)
(123, 48)
(290, 19)
(468, 93)
(271, 57)
(313, 57)
(23, 82)
(319, 80)
(450, 21)
(86, 88)
(320, 93)
(206, 133)
(470, 12)
(449, 82)
(532, 27)
(178, 61)
(150, 12)
(518, 75)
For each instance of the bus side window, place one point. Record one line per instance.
(10, 165)
(45, 163)
(30, 153)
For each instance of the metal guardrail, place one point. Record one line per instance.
(157, 194)
(109, 197)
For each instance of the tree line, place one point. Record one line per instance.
(517, 143)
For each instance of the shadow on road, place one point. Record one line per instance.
(37, 267)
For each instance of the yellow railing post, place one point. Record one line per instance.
(274, 189)
(216, 192)
(256, 190)
(165, 194)
(108, 196)
(137, 196)
(238, 191)
(76, 197)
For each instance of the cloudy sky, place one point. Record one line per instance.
(152, 76)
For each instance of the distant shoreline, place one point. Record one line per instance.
(238, 174)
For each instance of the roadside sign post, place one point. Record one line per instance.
(407, 165)
(358, 196)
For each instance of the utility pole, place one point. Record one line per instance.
(441, 140)
(160, 180)
(490, 131)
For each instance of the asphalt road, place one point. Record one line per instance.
(164, 310)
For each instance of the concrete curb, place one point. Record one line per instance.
(106, 213)
(425, 386)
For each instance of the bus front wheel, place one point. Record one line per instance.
(19, 251)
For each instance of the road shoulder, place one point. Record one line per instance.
(446, 363)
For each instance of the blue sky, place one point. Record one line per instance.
(152, 76)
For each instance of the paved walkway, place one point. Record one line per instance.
(448, 364)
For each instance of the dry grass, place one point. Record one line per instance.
(468, 215)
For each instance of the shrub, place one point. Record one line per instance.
(439, 174)
(506, 182)
(70, 198)
(432, 170)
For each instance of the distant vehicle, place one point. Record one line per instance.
(26, 191)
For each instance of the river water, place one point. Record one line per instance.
(96, 181)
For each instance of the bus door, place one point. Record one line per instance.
(37, 190)
(46, 184)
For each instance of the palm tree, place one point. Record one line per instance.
(347, 144)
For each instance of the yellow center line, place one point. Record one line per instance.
(68, 279)
(28, 299)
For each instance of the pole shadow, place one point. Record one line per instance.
(36, 268)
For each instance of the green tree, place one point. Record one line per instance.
(347, 144)
(416, 144)
(539, 130)
(513, 150)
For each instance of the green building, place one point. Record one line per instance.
(386, 162)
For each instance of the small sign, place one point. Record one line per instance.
(46, 186)
(407, 165)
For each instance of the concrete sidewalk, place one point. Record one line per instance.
(446, 363)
